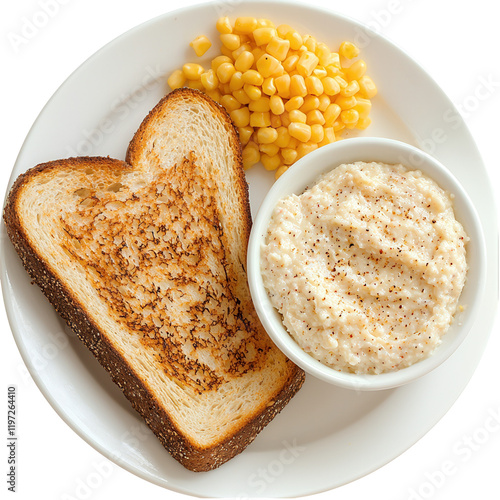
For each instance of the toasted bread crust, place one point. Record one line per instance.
(143, 400)
(61, 298)
(137, 142)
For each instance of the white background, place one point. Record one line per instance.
(458, 46)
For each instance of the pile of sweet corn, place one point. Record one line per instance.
(286, 93)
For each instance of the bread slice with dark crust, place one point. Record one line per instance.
(145, 261)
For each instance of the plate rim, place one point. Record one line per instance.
(4, 274)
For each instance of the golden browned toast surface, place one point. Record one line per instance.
(146, 262)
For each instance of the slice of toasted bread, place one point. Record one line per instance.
(145, 261)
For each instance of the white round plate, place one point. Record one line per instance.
(326, 436)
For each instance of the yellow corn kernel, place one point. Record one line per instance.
(223, 25)
(266, 135)
(282, 84)
(275, 121)
(349, 116)
(297, 116)
(252, 91)
(225, 71)
(230, 41)
(363, 123)
(236, 82)
(240, 115)
(300, 131)
(245, 132)
(245, 24)
(285, 119)
(217, 61)
(268, 87)
(331, 113)
(261, 104)
(262, 36)
(310, 43)
(363, 107)
(351, 89)
(298, 86)
(329, 136)
(280, 171)
(225, 88)
(244, 61)
(230, 103)
(270, 162)
(323, 53)
(209, 80)
(269, 149)
(305, 148)
(356, 70)
(320, 72)
(244, 47)
(264, 23)
(341, 81)
(283, 138)
(268, 65)
(289, 155)
(195, 84)
(278, 48)
(200, 45)
(192, 71)
(366, 87)
(338, 125)
(332, 70)
(241, 96)
(260, 119)
(293, 143)
(330, 85)
(310, 102)
(176, 79)
(294, 103)
(283, 29)
(214, 94)
(345, 102)
(227, 52)
(335, 60)
(253, 77)
(314, 85)
(315, 116)
(306, 63)
(290, 63)
(348, 50)
(295, 39)
(324, 101)
(250, 156)
(276, 105)
(317, 133)
(257, 53)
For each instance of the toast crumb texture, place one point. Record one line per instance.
(145, 260)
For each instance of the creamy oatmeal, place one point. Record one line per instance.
(366, 267)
